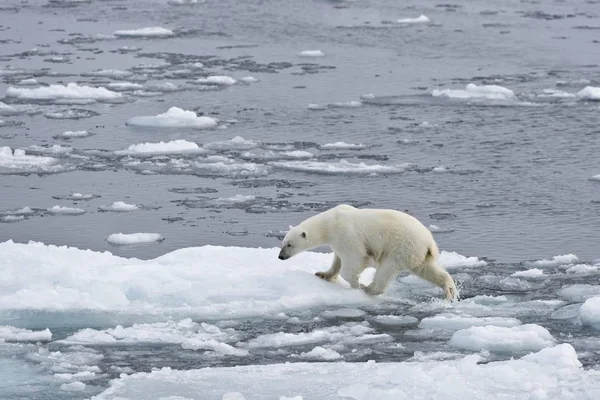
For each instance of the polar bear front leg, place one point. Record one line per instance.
(333, 271)
(353, 267)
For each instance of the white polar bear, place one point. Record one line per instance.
(389, 240)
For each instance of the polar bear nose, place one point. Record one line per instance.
(282, 255)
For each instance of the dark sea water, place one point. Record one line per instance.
(508, 178)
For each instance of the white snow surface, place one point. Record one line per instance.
(456, 322)
(120, 206)
(590, 312)
(219, 80)
(70, 91)
(60, 210)
(321, 353)
(134, 238)
(173, 147)
(530, 273)
(18, 161)
(418, 20)
(589, 93)
(529, 337)
(551, 373)
(556, 261)
(12, 334)
(153, 31)
(174, 117)
(205, 282)
(491, 92)
(311, 53)
(73, 134)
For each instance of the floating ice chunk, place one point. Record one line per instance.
(590, 93)
(12, 334)
(249, 79)
(316, 107)
(556, 93)
(109, 73)
(269, 155)
(590, 312)
(124, 86)
(341, 167)
(583, 269)
(528, 337)
(220, 80)
(153, 31)
(18, 161)
(456, 322)
(238, 198)
(595, 178)
(12, 218)
(53, 149)
(555, 371)
(174, 118)
(440, 169)
(321, 353)
(237, 143)
(311, 53)
(556, 261)
(438, 229)
(396, 320)
(78, 376)
(59, 210)
(73, 387)
(451, 259)
(343, 146)
(419, 20)
(172, 147)
(530, 273)
(73, 134)
(83, 358)
(344, 313)
(492, 92)
(70, 91)
(134, 238)
(346, 104)
(28, 82)
(120, 206)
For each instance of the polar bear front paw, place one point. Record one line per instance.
(325, 276)
(371, 290)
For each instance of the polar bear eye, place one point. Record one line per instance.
(289, 245)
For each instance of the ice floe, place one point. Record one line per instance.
(553, 372)
(530, 273)
(451, 259)
(70, 91)
(120, 206)
(341, 167)
(555, 261)
(28, 82)
(236, 143)
(218, 80)
(124, 86)
(73, 387)
(589, 93)
(18, 161)
(238, 198)
(321, 353)
(12, 334)
(109, 73)
(174, 117)
(395, 320)
(134, 238)
(491, 92)
(72, 134)
(528, 337)
(418, 20)
(343, 146)
(150, 32)
(172, 147)
(311, 53)
(455, 322)
(590, 312)
(60, 210)
(269, 155)
(439, 229)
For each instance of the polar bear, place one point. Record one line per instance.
(390, 240)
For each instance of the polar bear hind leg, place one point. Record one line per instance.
(431, 272)
(385, 273)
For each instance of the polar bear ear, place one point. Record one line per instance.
(303, 234)
(291, 227)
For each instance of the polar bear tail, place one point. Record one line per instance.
(433, 253)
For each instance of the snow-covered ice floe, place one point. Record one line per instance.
(554, 372)
(120, 206)
(205, 282)
(174, 117)
(12, 334)
(72, 134)
(236, 143)
(60, 210)
(173, 147)
(150, 32)
(311, 53)
(590, 312)
(418, 20)
(343, 146)
(491, 92)
(70, 91)
(218, 80)
(508, 339)
(17, 161)
(590, 93)
(341, 167)
(555, 261)
(134, 238)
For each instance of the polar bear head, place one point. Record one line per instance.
(296, 241)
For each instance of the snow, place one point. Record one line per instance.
(172, 147)
(419, 20)
(321, 353)
(134, 238)
(589, 93)
(529, 337)
(311, 53)
(451, 259)
(73, 387)
(343, 146)
(120, 206)
(18, 161)
(154, 31)
(456, 322)
(12, 218)
(556, 261)
(341, 167)
(60, 210)
(12, 334)
(219, 80)
(73, 134)
(70, 91)
(237, 143)
(174, 118)
(395, 320)
(590, 312)
(491, 92)
(530, 273)
(552, 372)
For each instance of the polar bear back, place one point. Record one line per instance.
(383, 235)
